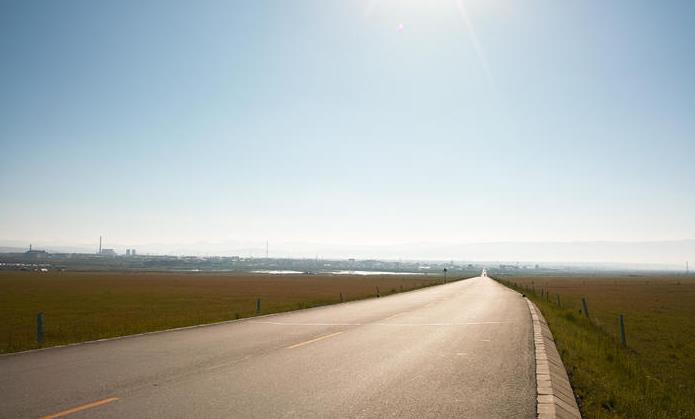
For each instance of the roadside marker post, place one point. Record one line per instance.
(341, 297)
(377, 292)
(623, 341)
(258, 306)
(39, 329)
(585, 307)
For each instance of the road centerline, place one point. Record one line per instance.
(80, 408)
(448, 324)
(306, 342)
(305, 324)
(393, 316)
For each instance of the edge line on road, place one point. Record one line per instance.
(306, 342)
(80, 408)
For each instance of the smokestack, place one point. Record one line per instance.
(99, 245)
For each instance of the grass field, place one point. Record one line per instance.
(654, 376)
(82, 306)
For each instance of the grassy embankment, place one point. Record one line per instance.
(654, 375)
(82, 306)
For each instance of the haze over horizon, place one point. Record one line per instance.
(638, 255)
(349, 123)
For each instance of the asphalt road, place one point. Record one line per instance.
(463, 349)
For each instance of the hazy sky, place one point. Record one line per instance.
(347, 121)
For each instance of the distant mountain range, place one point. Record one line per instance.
(672, 253)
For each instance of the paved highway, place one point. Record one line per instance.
(462, 349)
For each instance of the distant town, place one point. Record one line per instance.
(109, 259)
(129, 260)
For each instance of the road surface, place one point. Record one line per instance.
(462, 349)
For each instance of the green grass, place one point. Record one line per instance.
(83, 306)
(654, 376)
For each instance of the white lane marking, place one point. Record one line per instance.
(229, 363)
(393, 316)
(306, 342)
(217, 367)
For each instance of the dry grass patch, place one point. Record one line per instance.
(82, 306)
(654, 376)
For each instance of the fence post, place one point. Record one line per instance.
(39, 329)
(258, 306)
(558, 300)
(341, 297)
(377, 292)
(585, 308)
(623, 341)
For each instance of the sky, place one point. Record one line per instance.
(346, 122)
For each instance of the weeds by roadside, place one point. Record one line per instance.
(609, 379)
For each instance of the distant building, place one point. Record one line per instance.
(108, 252)
(127, 252)
(35, 253)
(132, 252)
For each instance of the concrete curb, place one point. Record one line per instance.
(555, 398)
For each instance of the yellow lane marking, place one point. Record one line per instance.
(80, 408)
(306, 342)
